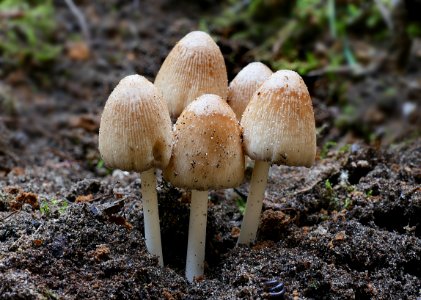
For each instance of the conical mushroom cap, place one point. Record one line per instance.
(207, 151)
(195, 66)
(135, 131)
(243, 86)
(278, 122)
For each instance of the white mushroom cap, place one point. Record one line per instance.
(207, 151)
(195, 66)
(243, 86)
(278, 122)
(135, 131)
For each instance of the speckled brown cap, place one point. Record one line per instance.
(207, 151)
(195, 66)
(135, 131)
(278, 122)
(243, 86)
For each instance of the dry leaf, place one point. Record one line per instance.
(84, 198)
(78, 51)
(89, 123)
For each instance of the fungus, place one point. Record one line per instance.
(195, 66)
(135, 135)
(279, 128)
(243, 86)
(207, 154)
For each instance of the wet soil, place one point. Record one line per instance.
(347, 228)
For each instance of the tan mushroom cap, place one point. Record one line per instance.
(195, 66)
(207, 150)
(243, 86)
(135, 131)
(279, 122)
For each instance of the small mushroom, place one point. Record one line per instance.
(135, 135)
(243, 86)
(195, 66)
(279, 128)
(207, 154)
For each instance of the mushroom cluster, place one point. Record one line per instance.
(266, 116)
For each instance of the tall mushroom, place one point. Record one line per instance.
(207, 154)
(195, 66)
(135, 135)
(244, 84)
(279, 128)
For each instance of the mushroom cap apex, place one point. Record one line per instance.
(254, 71)
(244, 84)
(196, 39)
(290, 80)
(209, 104)
(278, 123)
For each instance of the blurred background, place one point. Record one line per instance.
(59, 61)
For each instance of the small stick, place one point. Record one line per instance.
(15, 212)
(17, 242)
(11, 14)
(385, 14)
(81, 20)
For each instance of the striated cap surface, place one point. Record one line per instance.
(243, 86)
(279, 124)
(207, 150)
(135, 130)
(195, 66)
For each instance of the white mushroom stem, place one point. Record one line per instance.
(150, 214)
(197, 234)
(254, 202)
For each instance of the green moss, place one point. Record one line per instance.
(414, 30)
(27, 31)
(48, 207)
(288, 34)
(241, 204)
(326, 147)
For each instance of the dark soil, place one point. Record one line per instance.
(347, 228)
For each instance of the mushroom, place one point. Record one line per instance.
(207, 154)
(243, 86)
(195, 66)
(135, 135)
(279, 128)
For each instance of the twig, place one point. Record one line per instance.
(81, 20)
(385, 14)
(332, 18)
(10, 154)
(355, 70)
(60, 154)
(102, 197)
(15, 212)
(307, 188)
(11, 14)
(328, 69)
(242, 195)
(17, 242)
